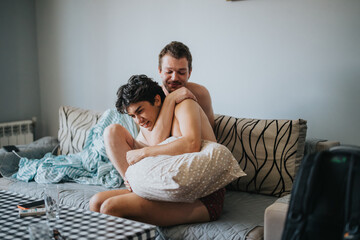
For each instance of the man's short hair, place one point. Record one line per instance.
(176, 50)
(139, 88)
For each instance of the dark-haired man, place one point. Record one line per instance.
(142, 99)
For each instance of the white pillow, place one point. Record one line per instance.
(186, 177)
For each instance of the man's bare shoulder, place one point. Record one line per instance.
(185, 107)
(186, 103)
(197, 89)
(204, 99)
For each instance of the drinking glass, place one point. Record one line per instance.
(51, 198)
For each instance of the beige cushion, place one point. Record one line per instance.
(269, 151)
(185, 177)
(74, 126)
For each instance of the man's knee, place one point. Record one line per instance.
(115, 132)
(113, 207)
(95, 202)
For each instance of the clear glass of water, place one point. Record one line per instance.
(51, 198)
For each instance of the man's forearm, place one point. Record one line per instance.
(177, 147)
(162, 127)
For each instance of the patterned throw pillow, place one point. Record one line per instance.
(269, 151)
(74, 126)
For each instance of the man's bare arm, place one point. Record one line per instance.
(188, 115)
(162, 127)
(206, 105)
(204, 100)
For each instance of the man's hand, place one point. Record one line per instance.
(127, 184)
(134, 156)
(181, 94)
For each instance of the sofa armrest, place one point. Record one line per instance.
(274, 220)
(275, 214)
(313, 145)
(325, 145)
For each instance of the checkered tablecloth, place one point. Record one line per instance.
(73, 223)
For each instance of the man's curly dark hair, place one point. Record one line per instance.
(139, 88)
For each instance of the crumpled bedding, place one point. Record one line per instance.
(9, 162)
(90, 166)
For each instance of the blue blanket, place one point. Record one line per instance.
(90, 166)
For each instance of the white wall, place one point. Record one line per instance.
(258, 58)
(19, 81)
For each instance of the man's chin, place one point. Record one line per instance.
(171, 89)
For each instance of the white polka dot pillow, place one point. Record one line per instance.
(186, 177)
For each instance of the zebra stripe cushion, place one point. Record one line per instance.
(269, 152)
(74, 126)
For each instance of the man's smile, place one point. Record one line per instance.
(174, 84)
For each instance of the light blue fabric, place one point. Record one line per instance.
(90, 166)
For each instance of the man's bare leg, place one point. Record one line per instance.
(123, 203)
(118, 141)
(98, 199)
(131, 206)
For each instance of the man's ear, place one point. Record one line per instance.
(157, 101)
(190, 73)
(159, 68)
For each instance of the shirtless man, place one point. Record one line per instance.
(175, 67)
(142, 99)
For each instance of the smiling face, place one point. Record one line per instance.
(174, 72)
(144, 113)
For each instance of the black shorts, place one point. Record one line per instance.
(214, 203)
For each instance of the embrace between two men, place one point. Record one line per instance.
(179, 108)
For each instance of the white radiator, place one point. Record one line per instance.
(16, 133)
